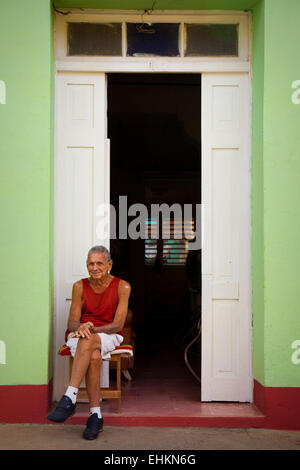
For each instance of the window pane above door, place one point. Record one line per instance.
(211, 40)
(103, 39)
(157, 39)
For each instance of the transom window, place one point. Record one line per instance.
(131, 39)
(154, 41)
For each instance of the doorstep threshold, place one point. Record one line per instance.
(232, 415)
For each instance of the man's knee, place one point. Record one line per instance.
(92, 343)
(96, 358)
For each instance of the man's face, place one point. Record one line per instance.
(97, 265)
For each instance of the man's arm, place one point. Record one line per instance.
(75, 309)
(121, 312)
(81, 330)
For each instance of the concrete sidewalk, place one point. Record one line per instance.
(69, 437)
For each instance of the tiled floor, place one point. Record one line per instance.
(163, 388)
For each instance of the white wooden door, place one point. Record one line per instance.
(226, 286)
(81, 186)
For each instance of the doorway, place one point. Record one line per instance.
(154, 127)
(82, 177)
(83, 165)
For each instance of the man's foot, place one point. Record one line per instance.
(64, 410)
(94, 425)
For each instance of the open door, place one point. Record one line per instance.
(82, 185)
(226, 285)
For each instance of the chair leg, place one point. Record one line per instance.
(70, 368)
(127, 375)
(82, 393)
(119, 375)
(119, 382)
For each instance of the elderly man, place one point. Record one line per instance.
(97, 316)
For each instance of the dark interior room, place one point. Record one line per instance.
(154, 127)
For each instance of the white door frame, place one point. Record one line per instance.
(226, 247)
(65, 64)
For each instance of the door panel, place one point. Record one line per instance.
(226, 288)
(81, 175)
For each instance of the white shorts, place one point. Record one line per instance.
(108, 343)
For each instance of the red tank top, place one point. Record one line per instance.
(99, 309)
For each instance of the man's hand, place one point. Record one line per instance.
(85, 330)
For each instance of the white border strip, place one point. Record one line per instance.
(151, 65)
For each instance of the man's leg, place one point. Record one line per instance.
(67, 405)
(82, 358)
(94, 424)
(92, 378)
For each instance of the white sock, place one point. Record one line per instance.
(97, 410)
(72, 393)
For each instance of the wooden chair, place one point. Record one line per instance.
(105, 392)
(124, 351)
(127, 361)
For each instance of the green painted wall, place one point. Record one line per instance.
(158, 5)
(281, 151)
(275, 192)
(52, 222)
(257, 206)
(26, 169)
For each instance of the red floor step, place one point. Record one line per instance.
(233, 415)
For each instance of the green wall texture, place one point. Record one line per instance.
(26, 168)
(26, 148)
(158, 4)
(281, 154)
(257, 206)
(275, 192)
